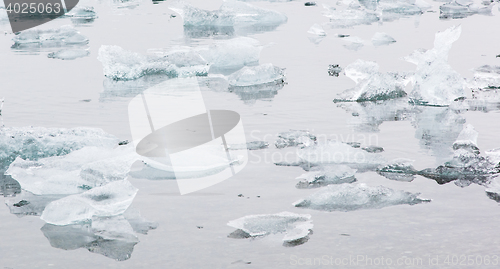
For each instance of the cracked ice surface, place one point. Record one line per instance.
(355, 196)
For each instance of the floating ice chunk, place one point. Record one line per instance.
(257, 75)
(253, 145)
(494, 155)
(232, 54)
(64, 36)
(399, 170)
(8, 185)
(231, 13)
(467, 140)
(295, 138)
(69, 54)
(75, 172)
(119, 64)
(296, 227)
(350, 17)
(394, 10)
(82, 13)
(112, 237)
(380, 39)
(349, 197)
(334, 70)
(486, 76)
(33, 143)
(317, 29)
(372, 85)
(336, 174)
(435, 82)
(459, 10)
(493, 190)
(106, 201)
(28, 204)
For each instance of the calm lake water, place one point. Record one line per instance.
(40, 91)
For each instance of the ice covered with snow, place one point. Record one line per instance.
(435, 82)
(257, 75)
(75, 172)
(399, 170)
(355, 196)
(463, 9)
(63, 36)
(380, 39)
(69, 54)
(322, 176)
(106, 201)
(120, 64)
(33, 143)
(296, 227)
(334, 152)
(293, 138)
(231, 13)
(372, 85)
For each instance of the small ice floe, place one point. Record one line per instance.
(75, 172)
(323, 176)
(33, 143)
(82, 14)
(317, 29)
(399, 170)
(297, 227)
(380, 39)
(435, 83)
(231, 13)
(395, 10)
(113, 237)
(355, 196)
(371, 85)
(468, 165)
(334, 70)
(493, 190)
(486, 84)
(334, 152)
(106, 201)
(69, 54)
(250, 76)
(349, 17)
(63, 36)
(293, 138)
(463, 8)
(253, 145)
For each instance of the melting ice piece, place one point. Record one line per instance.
(334, 152)
(467, 139)
(28, 204)
(231, 13)
(317, 29)
(435, 81)
(399, 170)
(69, 54)
(64, 36)
(82, 13)
(257, 75)
(394, 10)
(349, 17)
(462, 9)
(349, 197)
(253, 145)
(493, 190)
(106, 201)
(336, 174)
(295, 138)
(8, 185)
(119, 64)
(75, 172)
(380, 39)
(372, 85)
(112, 237)
(33, 143)
(296, 227)
(486, 77)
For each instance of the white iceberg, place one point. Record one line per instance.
(435, 81)
(33, 143)
(69, 54)
(296, 227)
(106, 201)
(257, 75)
(75, 172)
(355, 196)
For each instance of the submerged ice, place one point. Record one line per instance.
(355, 196)
(296, 227)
